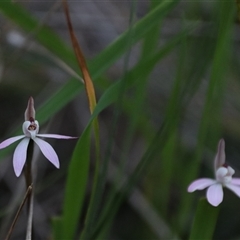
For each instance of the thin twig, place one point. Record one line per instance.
(28, 192)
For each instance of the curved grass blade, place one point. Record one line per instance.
(201, 228)
(69, 228)
(81, 61)
(76, 185)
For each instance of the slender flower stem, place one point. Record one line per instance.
(28, 196)
(30, 217)
(28, 178)
(28, 169)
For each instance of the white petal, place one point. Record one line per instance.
(200, 184)
(9, 141)
(55, 136)
(47, 151)
(19, 156)
(234, 188)
(235, 181)
(220, 156)
(215, 194)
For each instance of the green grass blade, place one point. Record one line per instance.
(76, 185)
(205, 221)
(152, 39)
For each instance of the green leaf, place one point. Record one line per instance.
(76, 185)
(205, 221)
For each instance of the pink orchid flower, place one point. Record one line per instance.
(30, 129)
(223, 178)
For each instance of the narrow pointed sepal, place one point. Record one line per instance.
(200, 184)
(57, 136)
(9, 141)
(20, 155)
(48, 151)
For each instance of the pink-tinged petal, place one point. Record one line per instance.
(9, 141)
(234, 188)
(215, 194)
(236, 181)
(220, 156)
(55, 136)
(200, 184)
(19, 156)
(47, 151)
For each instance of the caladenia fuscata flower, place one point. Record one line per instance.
(30, 129)
(223, 178)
